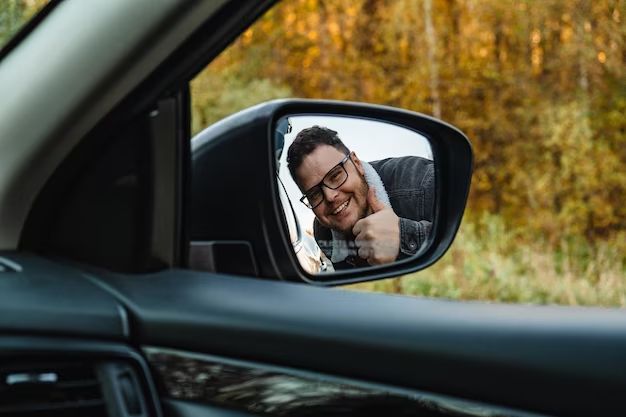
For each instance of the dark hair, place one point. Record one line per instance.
(306, 141)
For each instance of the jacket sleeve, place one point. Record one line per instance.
(410, 184)
(412, 235)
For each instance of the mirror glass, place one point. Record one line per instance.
(355, 192)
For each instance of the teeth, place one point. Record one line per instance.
(341, 207)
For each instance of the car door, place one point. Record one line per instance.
(114, 205)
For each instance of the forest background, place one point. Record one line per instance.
(539, 87)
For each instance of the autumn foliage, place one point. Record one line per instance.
(538, 86)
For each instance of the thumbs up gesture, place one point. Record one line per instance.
(378, 235)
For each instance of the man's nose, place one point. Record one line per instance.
(330, 194)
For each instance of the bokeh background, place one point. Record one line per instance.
(538, 86)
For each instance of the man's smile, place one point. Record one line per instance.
(341, 207)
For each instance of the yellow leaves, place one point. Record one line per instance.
(335, 34)
(313, 20)
(535, 36)
(312, 35)
(481, 181)
(290, 18)
(536, 51)
(511, 78)
(567, 34)
(604, 214)
(403, 48)
(246, 38)
(537, 60)
(314, 51)
(35, 4)
(333, 28)
(575, 173)
(312, 54)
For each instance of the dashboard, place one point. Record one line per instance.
(60, 377)
(64, 347)
(74, 343)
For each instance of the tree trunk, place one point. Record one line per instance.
(431, 41)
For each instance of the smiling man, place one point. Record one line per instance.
(365, 213)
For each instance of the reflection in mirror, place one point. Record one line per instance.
(355, 192)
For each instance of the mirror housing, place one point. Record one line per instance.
(235, 195)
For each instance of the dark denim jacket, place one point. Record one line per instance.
(410, 185)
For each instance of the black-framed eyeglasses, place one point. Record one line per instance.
(333, 179)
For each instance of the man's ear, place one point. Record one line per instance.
(357, 163)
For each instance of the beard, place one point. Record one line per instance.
(359, 200)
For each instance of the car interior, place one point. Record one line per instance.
(136, 280)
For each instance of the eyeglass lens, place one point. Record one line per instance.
(333, 180)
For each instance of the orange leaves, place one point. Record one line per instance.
(539, 90)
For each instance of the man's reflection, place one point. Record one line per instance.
(366, 213)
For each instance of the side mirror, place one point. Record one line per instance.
(366, 192)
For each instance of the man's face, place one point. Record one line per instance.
(340, 209)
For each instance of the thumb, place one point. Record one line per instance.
(375, 204)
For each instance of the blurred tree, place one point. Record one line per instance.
(14, 14)
(538, 86)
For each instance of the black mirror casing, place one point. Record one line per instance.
(234, 196)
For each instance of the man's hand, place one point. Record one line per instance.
(378, 235)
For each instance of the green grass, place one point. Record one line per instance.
(489, 262)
